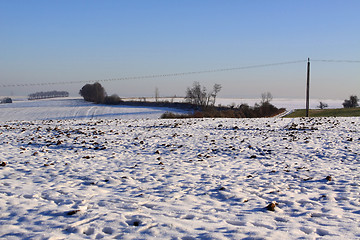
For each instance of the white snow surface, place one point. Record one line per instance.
(179, 179)
(74, 108)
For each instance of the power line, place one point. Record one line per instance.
(176, 74)
(156, 75)
(336, 61)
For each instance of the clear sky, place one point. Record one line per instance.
(44, 41)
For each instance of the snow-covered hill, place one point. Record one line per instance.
(180, 179)
(73, 108)
(77, 108)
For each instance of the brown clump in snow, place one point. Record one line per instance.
(271, 206)
(329, 178)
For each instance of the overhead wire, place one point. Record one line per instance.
(177, 74)
(156, 75)
(335, 61)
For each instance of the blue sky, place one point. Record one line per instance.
(62, 41)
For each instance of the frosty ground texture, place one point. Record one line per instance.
(180, 179)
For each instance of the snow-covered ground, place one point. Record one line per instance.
(104, 178)
(73, 108)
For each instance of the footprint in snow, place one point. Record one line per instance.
(322, 232)
(237, 223)
(89, 231)
(108, 230)
(188, 217)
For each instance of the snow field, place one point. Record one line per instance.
(77, 108)
(180, 179)
(74, 108)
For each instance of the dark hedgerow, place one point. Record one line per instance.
(49, 94)
(113, 99)
(243, 111)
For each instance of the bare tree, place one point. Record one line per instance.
(198, 95)
(156, 94)
(212, 95)
(266, 97)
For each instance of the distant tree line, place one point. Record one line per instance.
(265, 109)
(200, 101)
(352, 102)
(97, 94)
(50, 94)
(204, 102)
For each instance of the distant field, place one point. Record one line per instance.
(338, 112)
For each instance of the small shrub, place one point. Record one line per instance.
(170, 115)
(112, 100)
(6, 100)
(197, 114)
(322, 105)
(93, 93)
(352, 102)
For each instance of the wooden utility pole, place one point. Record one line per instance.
(308, 88)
